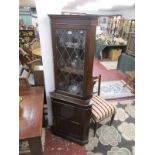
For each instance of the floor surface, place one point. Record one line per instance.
(109, 64)
(107, 75)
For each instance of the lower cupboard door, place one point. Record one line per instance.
(67, 127)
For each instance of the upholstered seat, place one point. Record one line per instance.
(101, 108)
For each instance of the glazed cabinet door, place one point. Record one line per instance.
(73, 39)
(69, 56)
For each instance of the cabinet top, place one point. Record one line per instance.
(62, 18)
(70, 100)
(74, 16)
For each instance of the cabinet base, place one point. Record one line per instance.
(81, 142)
(71, 117)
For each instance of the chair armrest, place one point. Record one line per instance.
(95, 77)
(34, 61)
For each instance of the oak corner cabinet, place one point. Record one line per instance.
(73, 39)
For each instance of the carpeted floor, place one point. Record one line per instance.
(114, 89)
(109, 64)
(107, 75)
(118, 139)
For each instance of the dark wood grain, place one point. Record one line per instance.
(30, 119)
(39, 75)
(74, 19)
(91, 39)
(71, 117)
(35, 146)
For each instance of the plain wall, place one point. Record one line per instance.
(43, 9)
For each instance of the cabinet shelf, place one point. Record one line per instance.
(78, 48)
(73, 70)
(26, 36)
(71, 88)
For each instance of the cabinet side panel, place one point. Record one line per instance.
(89, 61)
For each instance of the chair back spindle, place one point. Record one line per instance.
(97, 79)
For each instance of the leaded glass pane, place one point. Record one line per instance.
(70, 49)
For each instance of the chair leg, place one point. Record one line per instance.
(112, 118)
(44, 119)
(95, 127)
(28, 74)
(21, 72)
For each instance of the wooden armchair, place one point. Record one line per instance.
(27, 62)
(23, 83)
(35, 45)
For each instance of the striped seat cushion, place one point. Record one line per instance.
(101, 108)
